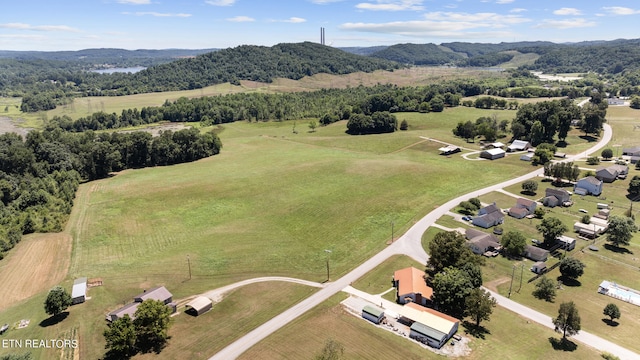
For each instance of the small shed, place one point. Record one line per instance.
(566, 242)
(199, 306)
(79, 291)
(373, 313)
(526, 157)
(539, 267)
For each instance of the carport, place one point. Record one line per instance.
(199, 306)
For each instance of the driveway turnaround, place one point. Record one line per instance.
(410, 244)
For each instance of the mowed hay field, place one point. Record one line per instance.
(37, 263)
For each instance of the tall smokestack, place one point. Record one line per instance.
(322, 35)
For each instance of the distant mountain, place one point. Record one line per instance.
(366, 51)
(417, 54)
(96, 58)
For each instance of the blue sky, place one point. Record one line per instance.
(192, 24)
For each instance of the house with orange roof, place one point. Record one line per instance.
(411, 286)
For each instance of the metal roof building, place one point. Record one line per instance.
(199, 305)
(79, 290)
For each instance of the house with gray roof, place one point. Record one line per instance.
(631, 151)
(588, 186)
(555, 197)
(519, 145)
(535, 253)
(611, 173)
(480, 242)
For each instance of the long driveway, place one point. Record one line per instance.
(410, 244)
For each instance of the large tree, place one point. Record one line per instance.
(479, 305)
(620, 231)
(450, 289)
(152, 320)
(551, 228)
(513, 243)
(449, 249)
(530, 186)
(121, 337)
(634, 185)
(545, 289)
(571, 267)
(58, 300)
(612, 311)
(568, 320)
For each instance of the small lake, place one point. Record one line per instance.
(132, 70)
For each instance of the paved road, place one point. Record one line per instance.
(410, 244)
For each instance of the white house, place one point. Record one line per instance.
(588, 186)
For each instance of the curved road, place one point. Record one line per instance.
(410, 244)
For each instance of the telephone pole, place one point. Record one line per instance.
(521, 275)
(513, 272)
(189, 264)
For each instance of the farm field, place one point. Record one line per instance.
(508, 335)
(269, 204)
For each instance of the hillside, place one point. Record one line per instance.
(417, 54)
(257, 63)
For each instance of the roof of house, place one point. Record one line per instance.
(428, 331)
(610, 171)
(373, 310)
(565, 239)
(199, 303)
(556, 192)
(494, 151)
(157, 293)
(519, 144)
(518, 211)
(491, 217)
(525, 202)
(129, 309)
(432, 318)
(539, 264)
(633, 149)
(79, 287)
(411, 281)
(471, 233)
(591, 180)
(534, 250)
(550, 199)
(497, 144)
(485, 242)
(491, 208)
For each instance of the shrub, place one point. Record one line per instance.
(593, 160)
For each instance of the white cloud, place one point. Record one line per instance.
(618, 10)
(293, 20)
(135, 2)
(22, 26)
(324, 2)
(567, 11)
(392, 5)
(504, 1)
(565, 24)
(479, 19)
(241, 19)
(220, 2)
(518, 10)
(157, 14)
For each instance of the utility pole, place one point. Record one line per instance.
(392, 231)
(513, 272)
(189, 264)
(521, 275)
(328, 252)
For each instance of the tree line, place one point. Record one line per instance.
(39, 175)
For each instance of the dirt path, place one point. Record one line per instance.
(493, 284)
(37, 263)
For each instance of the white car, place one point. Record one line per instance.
(583, 211)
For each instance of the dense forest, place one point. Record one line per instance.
(417, 54)
(39, 175)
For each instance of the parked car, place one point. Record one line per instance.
(466, 218)
(583, 211)
(536, 242)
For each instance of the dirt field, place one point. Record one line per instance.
(39, 262)
(8, 125)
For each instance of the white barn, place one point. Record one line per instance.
(79, 291)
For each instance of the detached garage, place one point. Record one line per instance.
(493, 154)
(199, 306)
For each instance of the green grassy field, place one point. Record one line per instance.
(269, 204)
